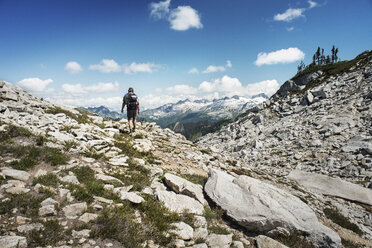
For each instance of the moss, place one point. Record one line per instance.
(49, 179)
(341, 220)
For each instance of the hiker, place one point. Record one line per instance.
(131, 100)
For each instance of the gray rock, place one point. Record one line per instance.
(86, 217)
(73, 210)
(108, 179)
(200, 246)
(219, 240)
(131, 196)
(332, 186)
(262, 207)
(237, 244)
(47, 210)
(29, 227)
(183, 231)
(200, 233)
(182, 186)
(70, 179)
(17, 174)
(179, 203)
(267, 242)
(13, 242)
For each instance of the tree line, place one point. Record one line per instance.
(320, 59)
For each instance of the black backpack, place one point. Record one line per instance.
(132, 101)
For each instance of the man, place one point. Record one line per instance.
(131, 100)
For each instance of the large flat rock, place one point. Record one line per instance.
(261, 207)
(179, 203)
(332, 186)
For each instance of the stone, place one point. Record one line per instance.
(73, 210)
(108, 179)
(47, 210)
(203, 245)
(183, 231)
(200, 233)
(70, 179)
(267, 242)
(81, 234)
(219, 240)
(332, 186)
(179, 203)
(237, 244)
(16, 174)
(131, 196)
(49, 201)
(119, 161)
(17, 190)
(29, 227)
(200, 221)
(182, 186)
(261, 207)
(13, 242)
(87, 217)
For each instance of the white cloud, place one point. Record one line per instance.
(79, 89)
(224, 84)
(213, 68)
(77, 101)
(289, 15)
(74, 89)
(283, 56)
(182, 89)
(73, 67)
(312, 4)
(106, 66)
(183, 18)
(193, 71)
(140, 67)
(290, 29)
(35, 85)
(228, 64)
(159, 10)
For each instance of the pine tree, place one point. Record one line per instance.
(314, 59)
(328, 60)
(336, 57)
(333, 53)
(317, 55)
(322, 60)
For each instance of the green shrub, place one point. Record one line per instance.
(24, 163)
(341, 220)
(294, 239)
(54, 156)
(218, 230)
(118, 224)
(49, 179)
(80, 193)
(350, 244)
(68, 144)
(12, 131)
(49, 235)
(213, 214)
(194, 178)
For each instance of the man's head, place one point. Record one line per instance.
(130, 90)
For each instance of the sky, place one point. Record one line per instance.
(88, 53)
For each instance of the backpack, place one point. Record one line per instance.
(132, 101)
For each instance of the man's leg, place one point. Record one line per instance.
(130, 124)
(134, 123)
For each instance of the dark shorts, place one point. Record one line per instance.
(131, 114)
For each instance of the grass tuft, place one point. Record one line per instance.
(49, 235)
(342, 221)
(49, 179)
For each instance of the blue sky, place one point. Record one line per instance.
(87, 53)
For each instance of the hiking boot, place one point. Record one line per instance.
(134, 129)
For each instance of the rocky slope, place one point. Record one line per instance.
(319, 123)
(71, 179)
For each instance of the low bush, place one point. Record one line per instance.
(49, 179)
(49, 235)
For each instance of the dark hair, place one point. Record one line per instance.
(130, 89)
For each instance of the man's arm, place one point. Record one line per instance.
(122, 107)
(138, 108)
